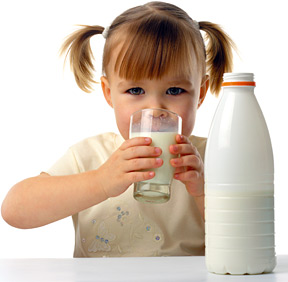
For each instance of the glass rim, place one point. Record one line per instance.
(155, 109)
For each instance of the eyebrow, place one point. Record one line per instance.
(175, 82)
(181, 81)
(120, 84)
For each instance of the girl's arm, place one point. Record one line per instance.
(43, 199)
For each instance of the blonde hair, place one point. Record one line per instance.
(155, 39)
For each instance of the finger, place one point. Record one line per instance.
(190, 161)
(182, 139)
(141, 151)
(136, 141)
(179, 169)
(142, 163)
(188, 176)
(183, 149)
(133, 177)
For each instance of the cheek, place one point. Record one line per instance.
(188, 120)
(188, 125)
(123, 122)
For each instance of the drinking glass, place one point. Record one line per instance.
(161, 126)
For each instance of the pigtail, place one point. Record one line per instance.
(219, 56)
(77, 46)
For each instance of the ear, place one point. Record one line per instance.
(203, 90)
(106, 90)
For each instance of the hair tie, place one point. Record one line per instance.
(196, 23)
(105, 32)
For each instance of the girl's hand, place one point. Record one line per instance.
(189, 166)
(124, 166)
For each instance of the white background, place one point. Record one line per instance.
(42, 112)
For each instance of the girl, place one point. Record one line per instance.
(154, 57)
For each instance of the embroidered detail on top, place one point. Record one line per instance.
(122, 216)
(147, 232)
(148, 228)
(157, 237)
(102, 240)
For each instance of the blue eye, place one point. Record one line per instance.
(175, 91)
(135, 91)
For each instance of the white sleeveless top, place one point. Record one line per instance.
(122, 226)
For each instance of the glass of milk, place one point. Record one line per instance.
(162, 126)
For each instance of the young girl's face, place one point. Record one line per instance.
(182, 95)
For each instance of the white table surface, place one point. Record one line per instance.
(126, 269)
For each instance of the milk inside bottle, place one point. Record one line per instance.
(239, 189)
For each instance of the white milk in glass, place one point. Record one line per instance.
(163, 174)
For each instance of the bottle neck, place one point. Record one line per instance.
(239, 86)
(238, 89)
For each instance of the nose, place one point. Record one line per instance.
(158, 120)
(156, 102)
(159, 113)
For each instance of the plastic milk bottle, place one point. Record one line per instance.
(239, 188)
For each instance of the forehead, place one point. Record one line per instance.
(165, 81)
(151, 56)
(142, 67)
